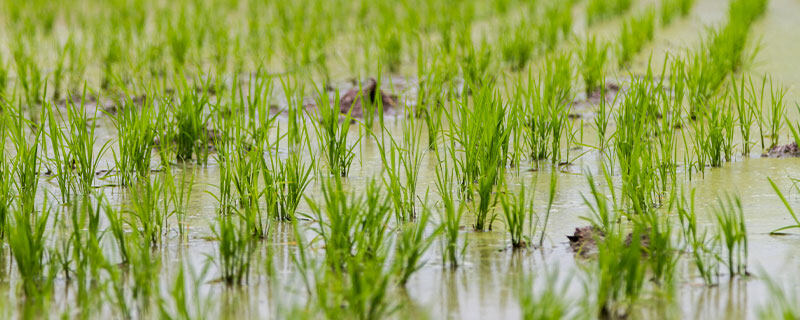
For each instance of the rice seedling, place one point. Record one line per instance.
(332, 135)
(716, 123)
(601, 10)
(746, 113)
(481, 133)
(137, 129)
(475, 63)
(402, 160)
(635, 33)
(671, 8)
(226, 153)
(61, 154)
(777, 112)
(87, 259)
(430, 103)
(391, 49)
(787, 205)
(450, 215)
(27, 241)
(292, 178)
(29, 75)
(745, 12)
(26, 159)
(620, 272)
(149, 209)
(353, 230)
(349, 225)
(81, 141)
(723, 51)
(59, 72)
(733, 233)
(516, 216)
(671, 106)
(603, 216)
(241, 160)
(661, 255)
(6, 185)
(547, 108)
(592, 59)
(3, 78)
(412, 243)
(487, 199)
(602, 119)
(556, 25)
(112, 53)
(188, 112)
(633, 145)
(518, 46)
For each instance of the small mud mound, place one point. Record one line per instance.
(369, 92)
(583, 104)
(783, 151)
(584, 240)
(608, 92)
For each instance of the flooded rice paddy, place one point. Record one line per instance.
(195, 246)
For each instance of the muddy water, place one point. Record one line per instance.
(483, 287)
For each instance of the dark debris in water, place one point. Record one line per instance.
(584, 240)
(353, 98)
(783, 151)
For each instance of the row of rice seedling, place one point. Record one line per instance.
(635, 145)
(362, 255)
(401, 164)
(670, 8)
(523, 41)
(547, 101)
(635, 33)
(600, 10)
(722, 52)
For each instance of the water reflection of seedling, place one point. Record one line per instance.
(705, 249)
(234, 249)
(733, 234)
(450, 214)
(546, 298)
